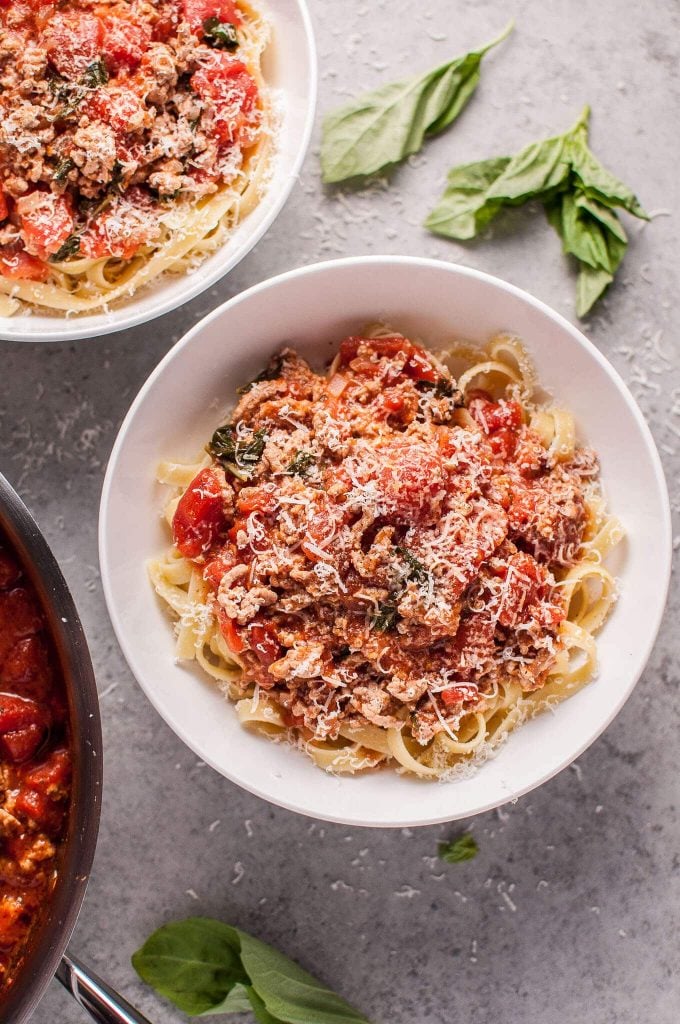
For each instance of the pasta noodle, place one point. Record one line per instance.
(582, 583)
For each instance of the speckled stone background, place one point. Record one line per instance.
(571, 910)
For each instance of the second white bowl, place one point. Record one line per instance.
(313, 309)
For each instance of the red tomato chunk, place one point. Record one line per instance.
(199, 518)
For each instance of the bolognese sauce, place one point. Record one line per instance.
(35, 762)
(380, 548)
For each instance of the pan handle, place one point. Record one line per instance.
(103, 1004)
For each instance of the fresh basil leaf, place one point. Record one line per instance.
(194, 963)
(71, 247)
(579, 196)
(221, 34)
(260, 1011)
(463, 210)
(383, 127)
(238, 455)
(460, 849)
(288, 993)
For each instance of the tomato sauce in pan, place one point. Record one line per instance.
(35, 762)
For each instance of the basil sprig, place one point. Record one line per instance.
(386, 125)
(579, 195)
(207, 967)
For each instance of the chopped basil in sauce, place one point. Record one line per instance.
(221, 34)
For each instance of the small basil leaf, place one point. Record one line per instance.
(71, 247)
(460, 849)
(238, 455)
(221, 34)
(383, 127)
(290, 994)
(463, 209)
(194, 963)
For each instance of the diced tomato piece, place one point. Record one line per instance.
(199, 518)
(503, 442)
(116, 107)
(493, 416)
(19, 712)
(130, 222)
(26, 669)
(230, 632)
(73, 41)
(23, 726)
(227, 83)
(411, 481)
(124, 43)
(321, 526)
(21, 744)
(35, 806)
(197, 12)
(4, 208)
(51, 774)
(417, 366)
(255, 499)
(46, 222)
(218, 567)
(264, 642)
(455, 696)
(18, 265)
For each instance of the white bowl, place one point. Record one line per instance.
(312, 309)
(290, 68)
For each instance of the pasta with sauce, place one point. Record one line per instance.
(134, 137)
(396, 562)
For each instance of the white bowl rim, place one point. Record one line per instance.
(577, 335)
(124, 316)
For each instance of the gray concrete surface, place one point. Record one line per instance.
(571, 911)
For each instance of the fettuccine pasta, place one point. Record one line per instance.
(395, 563)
